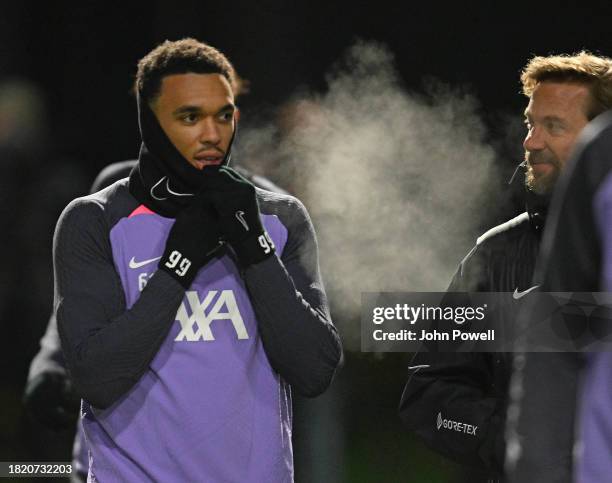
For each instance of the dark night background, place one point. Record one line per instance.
(81, 56)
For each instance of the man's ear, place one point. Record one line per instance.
(237, 115)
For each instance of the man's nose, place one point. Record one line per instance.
(534, 141)
(210, 132)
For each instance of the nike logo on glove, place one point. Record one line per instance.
(135, 264)
(517, 295)
(240, 217)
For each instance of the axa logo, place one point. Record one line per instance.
(455, 425)
(196, 322)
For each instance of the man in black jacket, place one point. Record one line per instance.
(564, 94)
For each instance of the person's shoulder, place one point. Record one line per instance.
(259, 181)
(112, 173)
(495, 243)
(104, 206)
(271, 202)
(499, 237)
(117, 193)
(503, 232)
(290, 211)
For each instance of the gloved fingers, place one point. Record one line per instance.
(201, 208)
(215, 179)
(234, 175)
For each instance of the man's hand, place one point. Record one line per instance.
(50, 400)
(193, 241)
(235, 202)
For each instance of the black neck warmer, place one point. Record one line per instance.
(163, 180)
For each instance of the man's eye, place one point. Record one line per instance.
(554, 127)
(189, 118)
(528, 125)
(226, 116)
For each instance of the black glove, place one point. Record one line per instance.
(193, 241)
(235, 202)
(50, 400)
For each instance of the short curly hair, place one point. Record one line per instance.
(583, 68)
(181, 57)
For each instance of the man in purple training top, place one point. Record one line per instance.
(189, 303)
(48, 394)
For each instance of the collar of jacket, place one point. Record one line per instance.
(537, 208)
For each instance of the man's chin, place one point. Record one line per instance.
(206, 164)
(541, 184)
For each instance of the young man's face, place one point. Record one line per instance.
(197, 113)
(555, 116)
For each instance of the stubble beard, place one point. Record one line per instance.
(542, 184)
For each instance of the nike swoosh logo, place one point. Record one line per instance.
(135, 264)
(168, 191)
(517, 295)
(240, 217)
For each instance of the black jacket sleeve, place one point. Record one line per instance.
(458, 387)
(106, 347)
(449, 386)
(288, 297)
